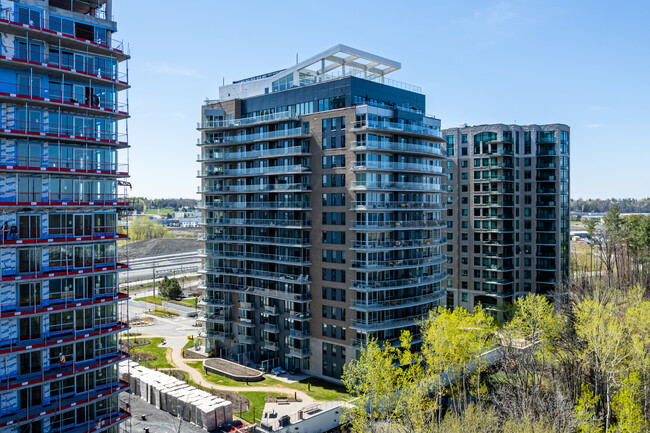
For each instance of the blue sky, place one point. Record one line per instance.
(583, 63)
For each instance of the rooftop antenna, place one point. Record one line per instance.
(223, 81)
(296, 58)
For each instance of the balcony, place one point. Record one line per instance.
(378, 325)
(255, 273)
(396, 147)
(386, 304)
(214, 318)
(245, 339)
(271, 345)
(362, 285)
(298, 352)
(395, 186)
(267, 240)
(395, 166)
(268, 258)
(398, 225)
(247, 121)
(217, 302)
(395, 205)
(298, 187)
(37, 198)
(13, 273)
(396, 244)
(261, 136)
(42, 130)
(296, 205)
(376, 265)
(254, 171)
(272, 328)
(257, 222)
(294, 333)
(299, 315)
(254, 154)
(217, 335)
(398, 128)
(25, 237)
(263, 291)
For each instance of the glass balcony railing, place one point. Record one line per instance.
(271, 135)
(234, 123)
(253, 171)
(396, 264)
(283, 258)
(257, 239)
(254, 188)
(256, 273)
(391, 244)
(396, 147)
(398, 127)
(397, 205)
(382, 225)
(257, 205)
(376, 304)
(228, 156)
(397, 283)
(257, 222)
(397, 186)
(395, 166)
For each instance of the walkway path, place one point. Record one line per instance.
(177, 344)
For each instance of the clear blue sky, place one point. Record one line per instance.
(583, 63)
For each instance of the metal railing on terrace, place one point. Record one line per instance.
(245, 121)
(398, 127)
(395, 166)
(396, 147)
(61, 130)
(413, 186)
(64, 199)
(26, 236)
(263, 291)
(370, 325)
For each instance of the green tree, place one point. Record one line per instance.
(170, 289)
(143, 229)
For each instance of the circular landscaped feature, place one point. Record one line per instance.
(232, 370)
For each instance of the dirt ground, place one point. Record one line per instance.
(159, 247)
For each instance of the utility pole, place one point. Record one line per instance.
(154, 282)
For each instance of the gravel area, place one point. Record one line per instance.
(159, 247)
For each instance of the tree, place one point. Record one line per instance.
(144, 228)
(170, 289)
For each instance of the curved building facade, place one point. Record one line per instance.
(321, 193)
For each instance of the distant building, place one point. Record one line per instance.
(507, 212)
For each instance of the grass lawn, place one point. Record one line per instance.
(159, 352)
(158, 211)
(157, 300)
(257, 401)
(320, 390)
(190, 302)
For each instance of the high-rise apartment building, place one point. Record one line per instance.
(507, 212)
(321, 190)
(61, 73)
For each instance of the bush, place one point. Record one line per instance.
(143, 228)
(171, 289)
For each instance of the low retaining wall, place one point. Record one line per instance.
(232, 370)
(180, 309)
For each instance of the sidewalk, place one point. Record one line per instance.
(177, 343)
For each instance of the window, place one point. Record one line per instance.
(334, 294)
(463, 138)
(334, 218)
(334, 199)
(333, 180)
(334, 161)
(333, 256)
(331, 237)
(463, 151)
